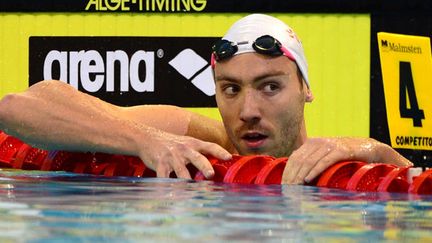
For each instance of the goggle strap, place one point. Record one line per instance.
(287, 53)
(213, 60)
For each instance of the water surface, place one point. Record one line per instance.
(64, 207)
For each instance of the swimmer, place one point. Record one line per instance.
(262, 86)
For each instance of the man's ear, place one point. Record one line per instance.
(309, 95)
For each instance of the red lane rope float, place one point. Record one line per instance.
(272, 172)
(3, 137)
(54, 157)
(395, 181)
(107, 164)
(138, 168)
(422, 184)
(21, 155)
(368, 177)
(99, 163)
(338, 175)
(9, 147)
(66, 161)
(116, 166)
(122, 165)
(246, 169)
(29, 158)
(220, 168)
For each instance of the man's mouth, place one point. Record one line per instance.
(254, 140)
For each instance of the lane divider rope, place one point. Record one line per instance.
(251, 169)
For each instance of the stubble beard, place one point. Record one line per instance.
(289, 136)
(286, 141)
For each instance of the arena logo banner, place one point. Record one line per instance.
(129, 70)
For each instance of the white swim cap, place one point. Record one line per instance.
(248, 29)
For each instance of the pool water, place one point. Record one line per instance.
(40, 206)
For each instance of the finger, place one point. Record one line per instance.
(294, 162)
(215, 150)
(400, 160)
(162, 171)
(289, 172)
(201, 163)
(323, 164)
(309, 163)
(181, 171)
(179, 166)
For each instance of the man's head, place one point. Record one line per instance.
(259, 86)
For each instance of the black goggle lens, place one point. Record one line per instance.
(224, 49)
(265, 44)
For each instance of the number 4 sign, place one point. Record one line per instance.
(406, 66)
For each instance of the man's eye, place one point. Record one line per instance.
(271, 88)
(231, 90)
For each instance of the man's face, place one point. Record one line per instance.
(261, 100)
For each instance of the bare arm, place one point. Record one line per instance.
(47, 114)
(179, 121)
(53, 115)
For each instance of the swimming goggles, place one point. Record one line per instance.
(265, 44)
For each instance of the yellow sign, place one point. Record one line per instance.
(406, 65)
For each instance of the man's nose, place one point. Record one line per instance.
(250, 108)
